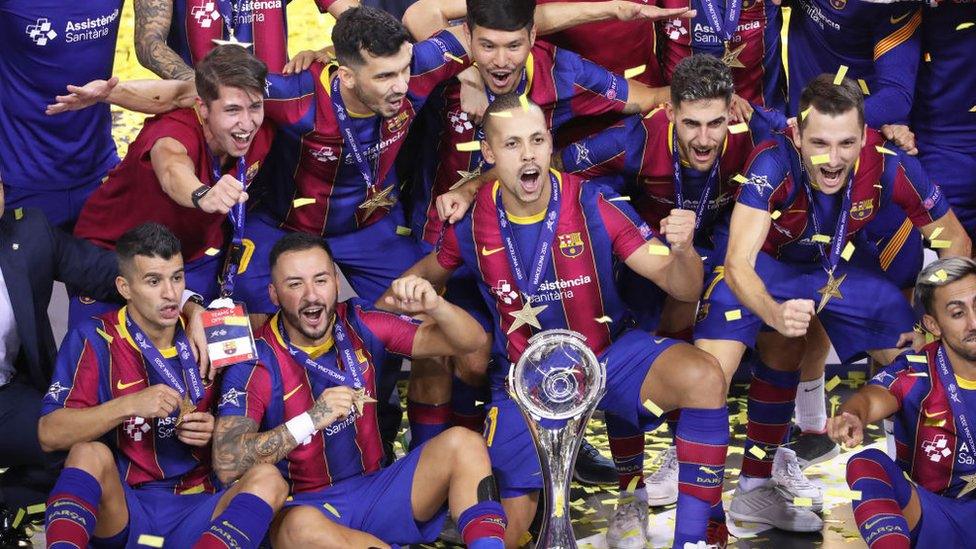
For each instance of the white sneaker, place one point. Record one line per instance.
(771, 504)
(628, 524)
(662, 485)
(788, 474)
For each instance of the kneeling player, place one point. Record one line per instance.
(129, 403)
(306, 406)
(932, 396)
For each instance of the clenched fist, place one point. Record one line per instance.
(678, 229)
(846, 429)
(224, 195)
(793, 317)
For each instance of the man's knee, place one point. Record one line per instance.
(265, 481)
(93, 457)
(306, 527)
(464, 442)
(704, 381)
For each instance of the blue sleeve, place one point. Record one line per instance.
(887, 376)
(767, 170)
(765, 122)
(906, 183)
(897, 50)
(76, 380)
(289, 86)
(614, 150)
(435, 60)
(594, 89)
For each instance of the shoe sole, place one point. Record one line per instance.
(749, 518)
(819, 459)
(661, 502)
(590, 482)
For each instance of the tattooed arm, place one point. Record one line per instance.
(238, 445)
(153, 19)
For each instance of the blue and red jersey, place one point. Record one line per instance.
(753, 52)
(593, 232)
(642, 146)
(927, 444)
(195, 24)
(775, 179)
(312, 180)
(132, 194)
(561, 82)
(99, 361)
(279, 388)
(879, 43)
(47, 45)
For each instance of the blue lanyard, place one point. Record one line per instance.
(724, 24)
(368, 172)
(228, 12)
(191, 375)
(712, 181)
(831, 260)
(344, 352)
(529, 283)
(236, 215)
(958, 407)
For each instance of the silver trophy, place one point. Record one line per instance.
(557, 383)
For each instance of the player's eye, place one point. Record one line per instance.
(153, 281)
(177, 278)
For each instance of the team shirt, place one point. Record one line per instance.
(879, 44)
(278, 388)
(264, 23)
(776, 180)
(928, 444)
(561, 82)
(592, 232)
(46, 45)
(313, 180)
(100, 361)
(132, 194)
(752, 52)
(643, 145)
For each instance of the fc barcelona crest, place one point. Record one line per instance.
(571, 244)
(862, 210)
(397, 122)
(230, 347)
(252, 171)
(838, 4)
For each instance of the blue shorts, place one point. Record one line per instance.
(946, 522)
(515, 462)
(200, 275)
(178, 519)
(892, 243)
(61, 207)
(953, 171)
(871, 315)
(370, 258)
(378, 504)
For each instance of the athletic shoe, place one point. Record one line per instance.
(812, 448)
(662, 485)
(717, 534)
(592, 467)
(628, 524)
(787, 473)
(771, 504)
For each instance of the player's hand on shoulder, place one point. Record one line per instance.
(740, 108)
(678, 229)
(81, 97)
(629, 11)
(223, 195)
(846, 429)
(196, 428)
(901, 135)
(793, 317)
(413, 294)
(158, 400)
(304, 59)
(335, 403)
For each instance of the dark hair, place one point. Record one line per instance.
(701, 76)
(507, 102)
(832, 99)
(503, 15)
(148, 240)
(370, 29)
(296, 242)
(232, 66)
(937, 274)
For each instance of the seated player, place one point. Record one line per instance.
(807, 195)
(932, 396)
(129, 405)
(307, 407)
(685, 155)
(544, 245)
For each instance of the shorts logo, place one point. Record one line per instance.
(459, 121)
(325, 154)
(838, 4)
(937, 448)
(398, 121)
(862, 210)
(503, 291)
(571, 244)
(582, 154)
(136, 427)
(41, 32)
(205, 14)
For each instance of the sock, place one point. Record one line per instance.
(811, 408)
(427, 421)
(72, 509)
(672, 418)
(702, 441)
(771, 396)
(627, 450)
(464, 411)
(884, 493)
(242, 524)
(482, 526)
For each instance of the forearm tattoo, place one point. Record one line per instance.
(153, 18)
(238, 445)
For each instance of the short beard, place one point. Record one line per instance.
(961, 351)
(294, 319)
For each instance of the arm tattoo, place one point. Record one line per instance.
(153, 19)
(238, 446)
(319, 412)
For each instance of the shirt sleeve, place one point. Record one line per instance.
(288, 97)
(76, 379)
(173, 129)
(245, 390)
(921, 199)
(610, 151)
(595, 89)
(897, 50)
(396, 332)
(765, 122)
(448, 252)
(628, 232)
(895, 379)
(765, 172)
(436, 59)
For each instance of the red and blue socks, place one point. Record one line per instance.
(427, 421)
(884, 493)
(771, 397)
(482, 526)
(72, 509)
(702, 441)
(627, 450)
(242, 524)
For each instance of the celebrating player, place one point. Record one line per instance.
(307, 407)
(790, 237)
(932, 396)
(129, 404)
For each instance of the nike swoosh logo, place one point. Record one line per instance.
(811, 390)
(869, 525)
(293, 391)
(123, 386)
(486, 251)
(895, 20)
(928, 415)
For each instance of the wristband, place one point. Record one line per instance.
(301, 427)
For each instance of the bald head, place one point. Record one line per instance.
(518, 142)
(508, 107)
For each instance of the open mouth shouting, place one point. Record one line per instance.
(313, 316)
(169, 311)
(831, 178)
(242, 140)
(530, 178)
(501, 80)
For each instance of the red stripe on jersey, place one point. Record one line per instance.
(931, 466)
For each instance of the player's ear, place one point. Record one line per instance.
(532, 33)
(486, 151)
(347, 77)
(273, 295)
(122, 285)
(669, 110)
(931, 326)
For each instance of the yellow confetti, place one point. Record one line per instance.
(929, 422)
(150, 541)
(964, 26)
(848, 251)
(973, 109)
(757, 452)
(36, 509)
(804, 113)
(19, 517)
(734, 314)
(619, 198)
(525, 539)
(299, 202)
(634, 71)
(18, 213)
(864, 86)
(841, 73)
(936, 232)
(524, 100)
(821, 238)
(939, 244)
(658, 249)
(740, 179)
(843, 493)
(832, 384)
(653, 408)
(558, 506)
(633, 484)
(883, 150)
(454, 58)
(803, 502)
(741, 127)
(105, 335)
(470, 146)
(818, 159)
(211, 252)
(403, 231)
(775, 215)
(928, 57)
(918, 359)
(604, 319)
(502, 114)
(941, 274)
(328, 507)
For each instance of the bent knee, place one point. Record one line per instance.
(462, 440)
(94, 457)
(705, 380)
(306, 527)
(265, 481)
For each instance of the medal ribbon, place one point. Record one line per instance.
(236, 216)
(723, 24)
(710, 182)
(958, 407)
(831, 260)
(344, 352)
(191, 375)
(228, 12)
(369, 172)
(528, 283)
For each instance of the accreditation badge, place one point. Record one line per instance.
(228, 332)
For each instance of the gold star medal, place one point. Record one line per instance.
(731, 57)
(831, 289)
(186, 407)
(526, 315)
(362, 400)
(465, 177)
(379, 200)
(970, 484)
(233, 40)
